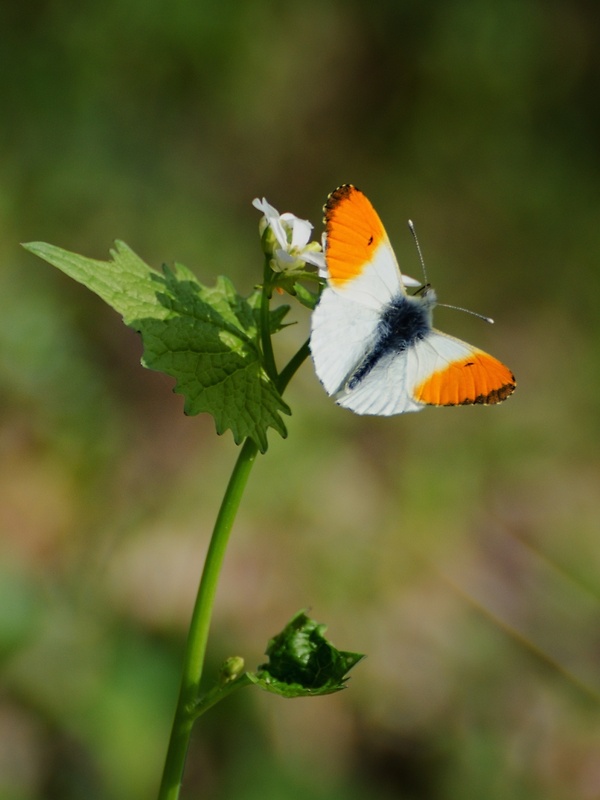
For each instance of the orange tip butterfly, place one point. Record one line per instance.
(373, 345)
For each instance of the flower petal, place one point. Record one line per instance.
(316, 259)
(273, 220)
(301, 232)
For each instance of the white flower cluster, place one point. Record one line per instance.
(287, 240)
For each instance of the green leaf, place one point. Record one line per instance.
(303, 662)
(305, 296)
(277, 314)
(292, 283)
(204, 337)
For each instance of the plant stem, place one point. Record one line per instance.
(187, 705)
(216, 695)
(265, 323)
(200, 624)
(293, 365)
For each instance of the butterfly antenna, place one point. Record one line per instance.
(443, 305)
(468, 311)
(421, 259)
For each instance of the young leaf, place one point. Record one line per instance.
(206, 338)
(302, 662)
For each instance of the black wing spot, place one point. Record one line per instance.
(370, 242)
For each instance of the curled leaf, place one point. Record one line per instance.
(303, 662)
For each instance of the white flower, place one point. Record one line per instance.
(288, 240)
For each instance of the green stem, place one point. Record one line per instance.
(200, 624)
(293, 365)
(219, 693)
(265, 323)
(189, 704)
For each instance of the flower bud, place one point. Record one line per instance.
(231, 669)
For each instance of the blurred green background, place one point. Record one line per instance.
(458, 548)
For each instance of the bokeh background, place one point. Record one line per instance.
(458, 548)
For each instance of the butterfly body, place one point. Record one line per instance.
(373, 345)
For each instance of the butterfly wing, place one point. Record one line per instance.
(361, 264)
(342, 333)
(384, 391)
(446, 371)
(362, 276)
(437, 370)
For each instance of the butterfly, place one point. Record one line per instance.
(373, 345)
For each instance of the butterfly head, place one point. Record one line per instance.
(427, 296)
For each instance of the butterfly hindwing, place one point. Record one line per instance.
(450, 372)
(436, 370)
(342, 333)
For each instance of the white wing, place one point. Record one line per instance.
(389, 388)
(342, 332)
(384, 391)
(378, 282)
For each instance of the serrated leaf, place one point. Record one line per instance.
(303, 662)
(204, 337)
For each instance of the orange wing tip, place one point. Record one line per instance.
(478, 379)
(354, 232)
(337, 196)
